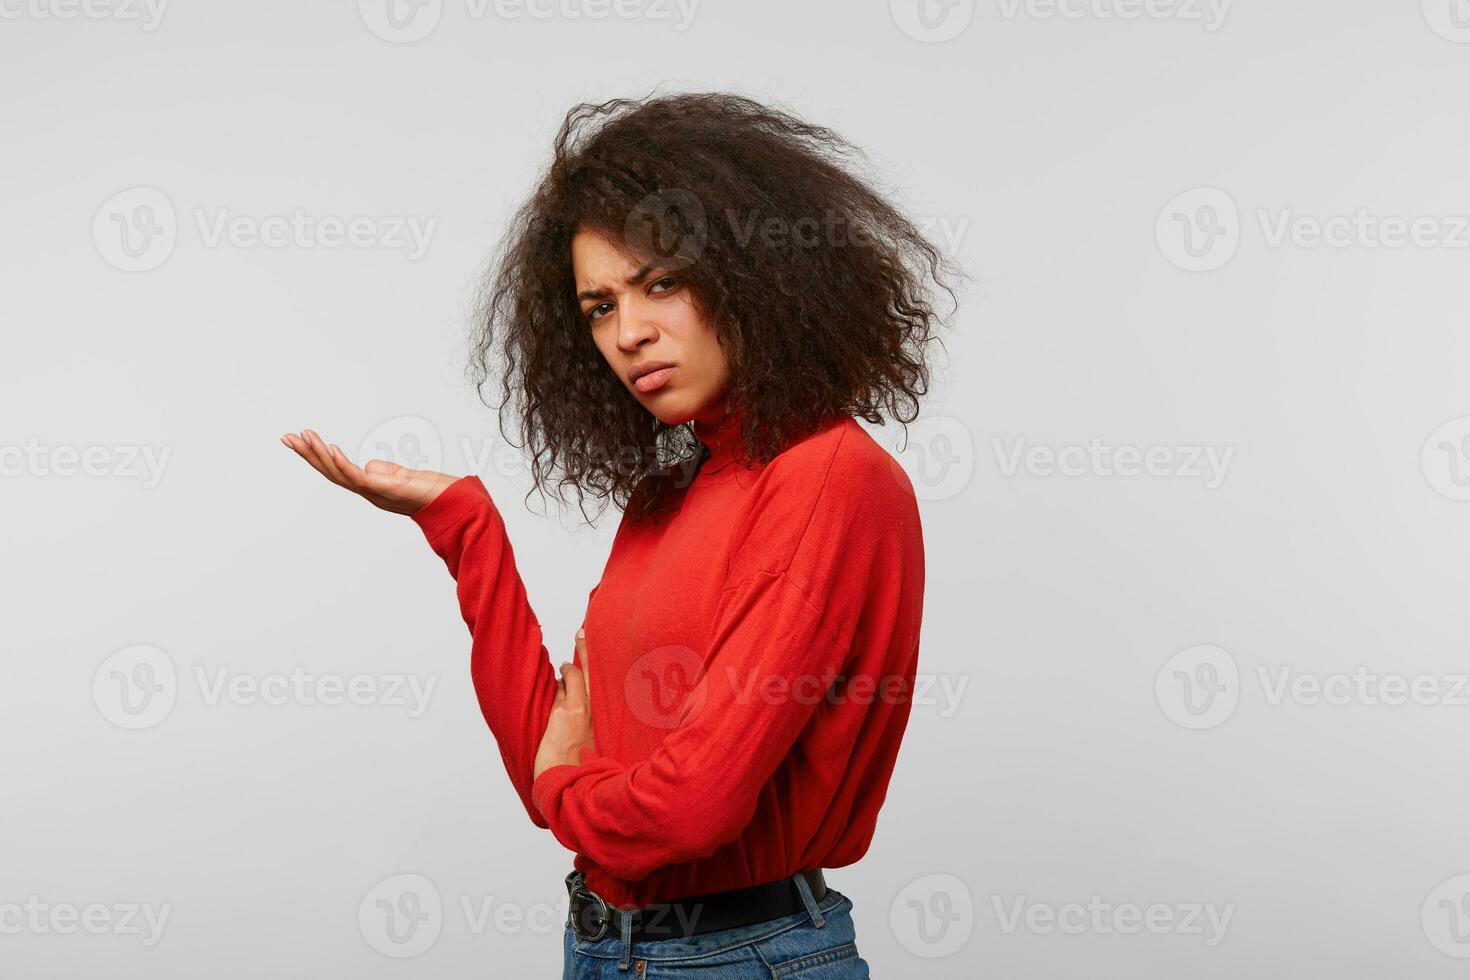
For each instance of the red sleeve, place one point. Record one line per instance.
(811, 554)
(511, 668)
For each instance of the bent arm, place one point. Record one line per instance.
(773, 655)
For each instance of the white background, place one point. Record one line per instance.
(1070, 610)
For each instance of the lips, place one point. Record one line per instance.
(653, 380)
(650, 375)
(647, 367)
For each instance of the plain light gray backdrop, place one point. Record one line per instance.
(1195, 476)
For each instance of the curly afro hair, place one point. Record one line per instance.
(789, 254)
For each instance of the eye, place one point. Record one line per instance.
(668, 282)
(593, 315)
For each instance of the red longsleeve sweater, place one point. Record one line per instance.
(751, 659)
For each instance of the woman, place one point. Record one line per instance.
(700, 265)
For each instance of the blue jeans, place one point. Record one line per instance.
(818, 943)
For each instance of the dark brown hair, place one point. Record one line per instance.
(818, 288)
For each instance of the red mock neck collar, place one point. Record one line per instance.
(722, 438)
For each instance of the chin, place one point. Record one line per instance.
(673, 418)
(672, 410)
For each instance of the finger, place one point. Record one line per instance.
(346, 469)
(315, 457)
(306, 451)
(320, 446)
(576, 686)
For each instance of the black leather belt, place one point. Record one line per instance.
(592, 918)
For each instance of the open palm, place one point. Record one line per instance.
(387, 486)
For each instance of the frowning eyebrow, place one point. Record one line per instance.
(632, 280)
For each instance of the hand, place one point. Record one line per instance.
(569, 728)
(387, 486)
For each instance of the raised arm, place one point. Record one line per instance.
(510, 665)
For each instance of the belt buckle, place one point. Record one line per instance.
(576, 908)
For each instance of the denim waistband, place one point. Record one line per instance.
(704, 944)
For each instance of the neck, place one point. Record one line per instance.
(720, 432)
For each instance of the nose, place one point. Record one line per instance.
(636, 326)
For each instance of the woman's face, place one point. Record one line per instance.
(641, 316)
